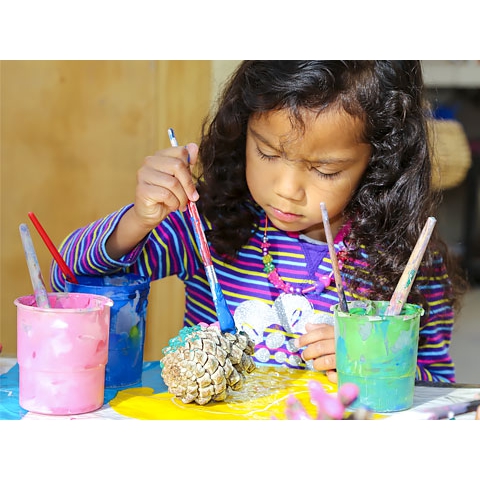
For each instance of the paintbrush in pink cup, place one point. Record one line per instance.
(36, 277)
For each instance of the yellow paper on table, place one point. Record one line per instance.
(262, 397)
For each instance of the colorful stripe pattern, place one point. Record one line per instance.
(171, 250)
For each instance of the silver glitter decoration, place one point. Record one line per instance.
(294, 360)
(309, 365)
(253, 317)
(274, 340)
(290, 345)
(280, 357)
(262, 355)
(325, 318)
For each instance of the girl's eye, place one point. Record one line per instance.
(328, 176)
(271, 158)
(265, 156)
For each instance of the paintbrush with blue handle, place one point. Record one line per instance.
(225, 319)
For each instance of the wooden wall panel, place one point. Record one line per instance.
(73, 134)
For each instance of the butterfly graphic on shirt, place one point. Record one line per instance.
(275, 328)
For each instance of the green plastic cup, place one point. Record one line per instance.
(378, 353)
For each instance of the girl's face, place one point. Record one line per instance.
(289, 173)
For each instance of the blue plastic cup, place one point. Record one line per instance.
(129, 293)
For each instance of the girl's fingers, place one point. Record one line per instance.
(192, 149)
(319, 348)
(160, 187)
(324, 362)
(332, 375)
(315, 333)
(192, 157)
(188, 155)
(318, 345)
(166, 178)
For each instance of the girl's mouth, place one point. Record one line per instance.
(284, 216)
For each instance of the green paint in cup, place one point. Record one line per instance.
(378, 353)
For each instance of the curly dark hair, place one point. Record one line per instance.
(394, 198)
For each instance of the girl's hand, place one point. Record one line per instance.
(320, 347)
(164, 184)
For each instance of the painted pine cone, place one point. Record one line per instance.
(202, 363)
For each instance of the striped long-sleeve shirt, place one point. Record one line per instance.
(272, 319)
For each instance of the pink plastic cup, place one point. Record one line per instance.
(62, 352)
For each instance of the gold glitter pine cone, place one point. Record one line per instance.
(202, 363)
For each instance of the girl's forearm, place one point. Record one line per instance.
(126, 236)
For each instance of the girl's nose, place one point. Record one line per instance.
(288, 183)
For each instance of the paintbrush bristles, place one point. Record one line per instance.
(405, 283)
(333, 258)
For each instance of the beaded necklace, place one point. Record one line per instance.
(318, 286)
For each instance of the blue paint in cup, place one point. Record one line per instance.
(129, 293)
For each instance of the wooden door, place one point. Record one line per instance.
(73, 134)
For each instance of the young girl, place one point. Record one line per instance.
(287, 136)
